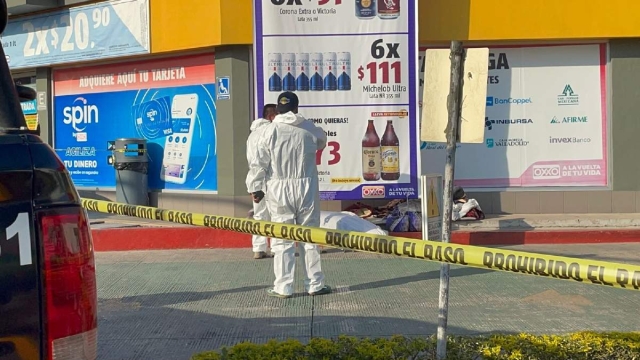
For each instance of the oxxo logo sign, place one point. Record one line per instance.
(373, 192)
(546, 172)
(79, 114)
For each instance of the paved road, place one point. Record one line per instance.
(171, 304)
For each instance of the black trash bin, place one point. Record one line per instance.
(132, 167)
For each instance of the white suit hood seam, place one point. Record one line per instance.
(289, 118)
(257, 123)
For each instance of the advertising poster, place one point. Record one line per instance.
(364, 96)
(30, 112)
(95, 31)
(168, 102)
(29, 108)
(546, 121)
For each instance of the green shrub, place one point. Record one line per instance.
(576, 346)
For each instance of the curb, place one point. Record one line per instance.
(171, 238)
(538, 237)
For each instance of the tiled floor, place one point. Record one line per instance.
(171, 304)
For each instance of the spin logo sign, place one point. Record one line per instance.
(80, 114)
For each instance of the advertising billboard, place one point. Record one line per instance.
(168, 102)
(546, 121)
(364, 97)
(100, 30)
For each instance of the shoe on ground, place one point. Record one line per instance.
(259, 255)
(324, 291)
(271, 292)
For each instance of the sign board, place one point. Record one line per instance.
(224, 88)
(169, 102)
(545, 124)
(30, 111)
(431, 192)
(364, 97)
(435, 114)
(95, 31)
(42, 100)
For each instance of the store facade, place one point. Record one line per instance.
(99, 80)
(560, 109)
(560, 133)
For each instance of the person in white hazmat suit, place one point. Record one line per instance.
(260, 211)
(285, 172)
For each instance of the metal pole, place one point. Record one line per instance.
(454, 106)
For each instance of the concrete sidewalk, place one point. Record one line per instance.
(171, 304)
(491, 223)
(121, 233)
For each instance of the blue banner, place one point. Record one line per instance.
(167, 102)
(96, 31)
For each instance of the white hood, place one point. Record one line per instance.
(258, 123)
(289, 119)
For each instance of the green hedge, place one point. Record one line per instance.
(576, 346)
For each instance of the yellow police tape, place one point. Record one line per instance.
(558, 267)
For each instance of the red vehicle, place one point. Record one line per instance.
(48, 294)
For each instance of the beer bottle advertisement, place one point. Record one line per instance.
(371, 154)
(353, 66)
(390, 153)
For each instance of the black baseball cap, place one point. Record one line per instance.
(287, 101)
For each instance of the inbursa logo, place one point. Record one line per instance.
(80, 113)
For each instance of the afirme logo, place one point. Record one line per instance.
(80, 113)
(373, 192)
(546, 172)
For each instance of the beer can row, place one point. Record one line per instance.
(329, 71)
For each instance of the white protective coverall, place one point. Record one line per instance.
(286, 162)
(260, 211)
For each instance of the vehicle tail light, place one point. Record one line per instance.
(70, 310)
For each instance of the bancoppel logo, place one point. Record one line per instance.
(490, 123)
(546, 172)
(494, 101)
(79, 114)
(370, 192)
(568, 97)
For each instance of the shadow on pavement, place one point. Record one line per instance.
(429, 275)
(173, 298)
